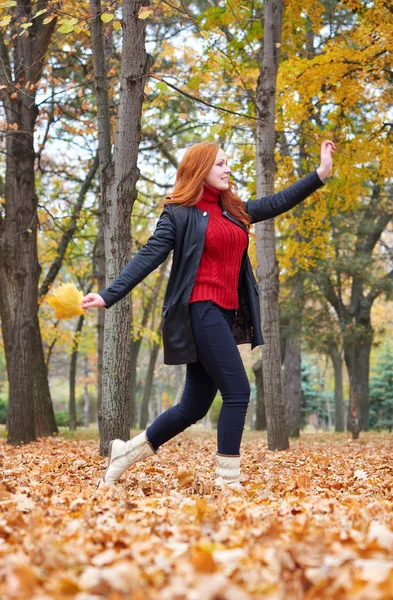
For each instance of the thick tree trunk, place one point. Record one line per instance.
(266, 251)
(19, 268)
(337, 362)
(357, 360)
(260, 415)
(100, 263)
(118, 180)
(73, 365)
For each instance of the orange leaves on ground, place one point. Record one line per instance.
(312, 523)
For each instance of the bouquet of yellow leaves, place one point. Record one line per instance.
(67, 301)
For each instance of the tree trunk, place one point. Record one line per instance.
(86, 395)
(100, 262)
(337, 362)
(292, 379)
(44, 415)
(292, 385)
(260, 416)
(266, 251)
(73, 365)
(135, 344)
(19, 268)
(119, 175)
(148, 386)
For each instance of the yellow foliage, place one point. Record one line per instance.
(66, 300)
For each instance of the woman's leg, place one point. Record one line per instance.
(219, 355)
(199, 393)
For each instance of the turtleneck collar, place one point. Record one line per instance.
(210, 194)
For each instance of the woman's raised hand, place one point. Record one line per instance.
(93, 300)
(325, 168)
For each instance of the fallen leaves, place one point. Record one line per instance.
(312, 523)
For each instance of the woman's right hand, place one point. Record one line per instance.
(93, 300)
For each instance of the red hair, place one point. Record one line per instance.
(191, 173)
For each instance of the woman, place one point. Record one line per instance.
(211, 302)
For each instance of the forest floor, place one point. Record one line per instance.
(314, 522)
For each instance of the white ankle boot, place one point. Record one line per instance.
(228, 472)
(123, 455)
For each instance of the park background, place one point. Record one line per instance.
(330, 493)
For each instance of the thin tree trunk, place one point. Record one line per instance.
(292, 385)
(86, 395)
(260, 415)
(266, 251)
(148, 385)
(73, 365)
(337, 362)
(119, 175)
(44, 414)
(135, 344)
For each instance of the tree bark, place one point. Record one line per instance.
(337, 362)
(86, 395)
(292, 379)
(149, 384)
(292, 386)
(260, 415)
(135, 344)
(100, 263)
(119, 175)
(19, 267)
(266, 251)
(73, 365)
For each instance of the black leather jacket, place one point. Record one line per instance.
(182, 229)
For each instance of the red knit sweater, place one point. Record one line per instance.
(218, 272)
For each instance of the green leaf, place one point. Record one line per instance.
(5, 21)
(162, 86)
(214, 129)
(10, 3)
(107, 17)
(66, 27)
(26, 25)
(116, 25)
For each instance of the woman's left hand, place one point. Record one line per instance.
(325, 168)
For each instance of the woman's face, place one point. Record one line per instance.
(218, 176)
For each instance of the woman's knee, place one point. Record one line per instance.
(192, 416)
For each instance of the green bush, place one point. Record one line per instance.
(63, 419)
(3, 410)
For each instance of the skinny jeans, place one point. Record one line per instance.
(219, 367)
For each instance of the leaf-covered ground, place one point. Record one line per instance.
(315, 522)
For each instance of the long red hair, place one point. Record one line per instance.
(191, 173)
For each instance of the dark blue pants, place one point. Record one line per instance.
(219, 367)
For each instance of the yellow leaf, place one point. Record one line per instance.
(66, 27)
(107, 17)
(145, 12)
(66, 300)
(116, 25)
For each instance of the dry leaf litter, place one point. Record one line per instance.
(314, 522)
